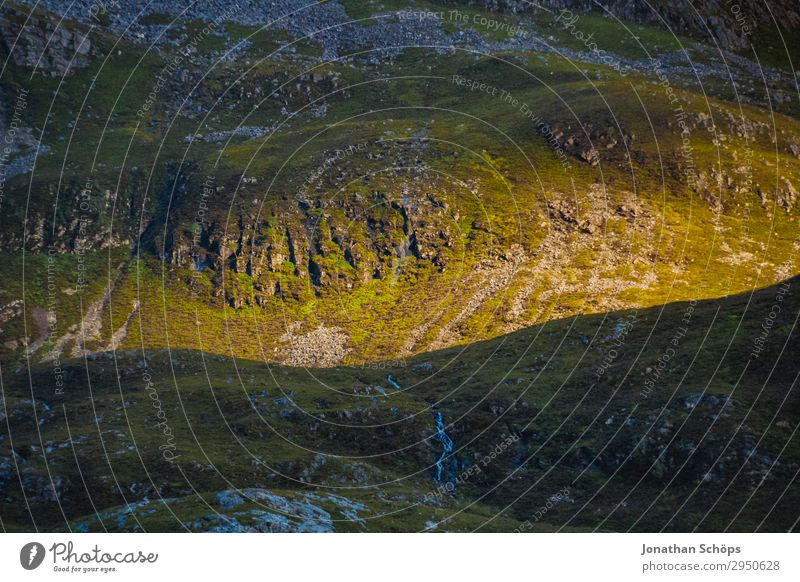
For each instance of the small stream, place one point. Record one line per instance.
(447, 447)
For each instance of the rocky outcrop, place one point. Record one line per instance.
(43, 43)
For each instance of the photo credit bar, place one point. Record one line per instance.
(568, 556)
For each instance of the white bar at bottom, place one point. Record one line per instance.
(423, 557)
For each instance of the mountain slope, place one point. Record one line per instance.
(677, 417)
(499, 184)
(454, 266)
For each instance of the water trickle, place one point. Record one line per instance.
(447, 447)
(393, 382)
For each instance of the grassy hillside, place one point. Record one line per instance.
(669, 417)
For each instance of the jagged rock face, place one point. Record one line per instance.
(728, 24)
(80, 227)
(42, 43)
(289, 244)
